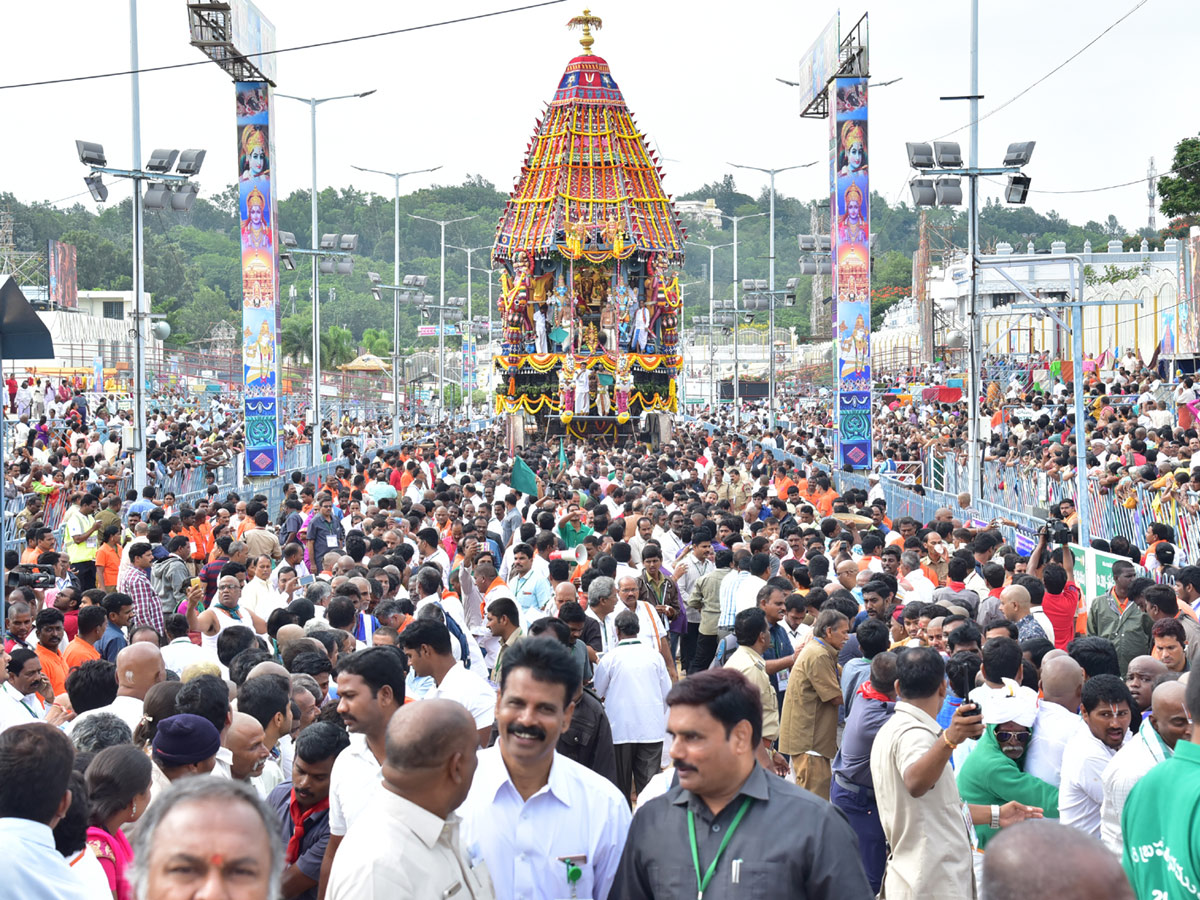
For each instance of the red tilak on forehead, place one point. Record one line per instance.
(217, 859)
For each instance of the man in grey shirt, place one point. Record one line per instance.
(733, 807)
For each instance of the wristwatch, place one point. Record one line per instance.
(995, 816)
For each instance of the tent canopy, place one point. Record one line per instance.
(368, 362)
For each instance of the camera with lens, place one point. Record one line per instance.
(1056, 531)
(37, 577)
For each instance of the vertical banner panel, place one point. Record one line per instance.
(851, 243)
(260, 278)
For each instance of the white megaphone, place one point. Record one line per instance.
(577, 556)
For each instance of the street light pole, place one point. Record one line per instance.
(712, 356)
(441, 304)
(313, 103)
(737, 413)
(396, 176)
(771, 277)
(469, 335)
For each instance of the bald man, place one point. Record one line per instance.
(1167, 724)
(1140, 678)
(246, 744)
(406, 843)
(288, 633)
(1061, 684)
(1015, 605)
(1017, 865)
(139, 667)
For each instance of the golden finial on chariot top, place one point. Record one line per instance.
(587, 21)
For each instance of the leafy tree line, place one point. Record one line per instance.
(193, 259)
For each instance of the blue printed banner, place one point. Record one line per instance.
(260, 278)
(851, 247)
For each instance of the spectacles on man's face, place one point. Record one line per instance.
(1021, 737)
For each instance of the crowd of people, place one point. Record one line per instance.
(451, 671)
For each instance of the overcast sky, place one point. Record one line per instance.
(699, 76)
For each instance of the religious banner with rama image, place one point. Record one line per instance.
(851, 249)
(260, 279)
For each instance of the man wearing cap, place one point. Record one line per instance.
(183, 745)
(994, 773)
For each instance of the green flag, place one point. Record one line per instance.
(522, 478)
(562, 453)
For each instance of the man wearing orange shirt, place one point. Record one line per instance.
(49, 629)
(108, 559)
(782, 482)
(44, 544)
(93, 620)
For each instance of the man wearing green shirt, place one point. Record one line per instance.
(570, 528)
(1162, 856)
(1120, 620)
(994, 773)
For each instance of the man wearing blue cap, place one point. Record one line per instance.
(184, 744)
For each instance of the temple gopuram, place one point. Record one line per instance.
(589, 248)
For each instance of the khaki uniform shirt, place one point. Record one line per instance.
(750, 663)
(809, 716)
(932, 851)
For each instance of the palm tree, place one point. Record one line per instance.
(295, 341)
(338, 347)
(378, 342)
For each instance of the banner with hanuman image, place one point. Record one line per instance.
(260, 278)
(851, 247)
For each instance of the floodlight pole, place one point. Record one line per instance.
(396, 176)
(771, 279)
(974, 458)
(139, 346)
(313, 103)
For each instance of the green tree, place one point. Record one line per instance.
(378, 342)
(1181, 193)
(338, 346)
(295, 339)
(195, 320)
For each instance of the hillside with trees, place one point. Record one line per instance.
(192, 259)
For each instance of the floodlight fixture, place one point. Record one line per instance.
(949, 191)
(287, 262)
(920, 156)
(947, 154)
(348, 243)
(1019, 153)
(815, 267)
(329, 242)
(162, 160)
(1018, 188)
(808, 243)
(183, 198)
(374, 278)
(791, 283)
(287, 239)
(377, 294)
(748, 318)
(95, 184)
(326, 266)
(923, 193)
(158, 195)
(747, 284)
(345, 267)
(760, 284)
(190, 162)
(415, 280)
(91, 154)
